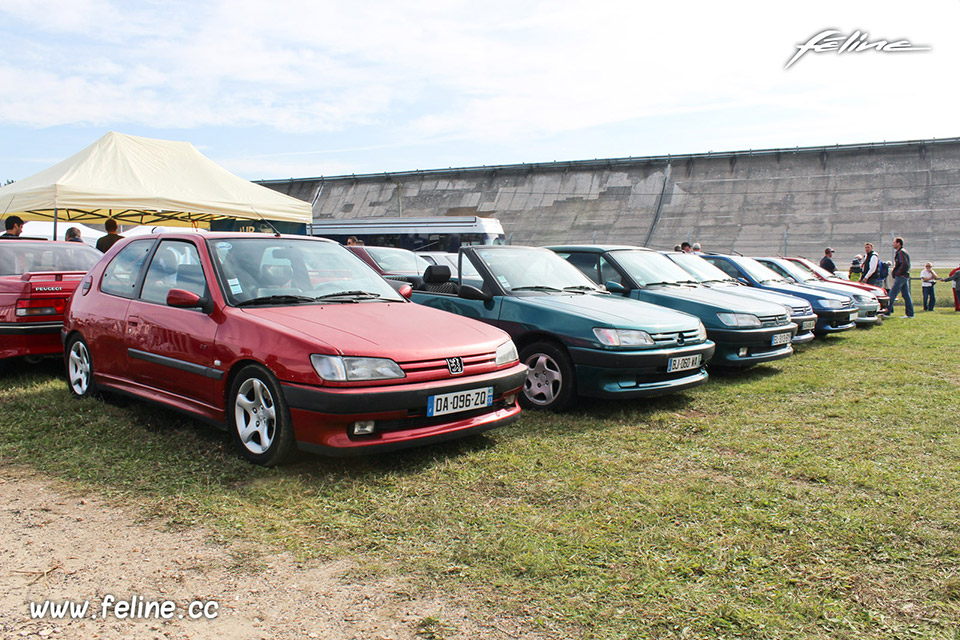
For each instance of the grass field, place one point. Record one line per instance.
(817, 497)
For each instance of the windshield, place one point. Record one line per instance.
(757, 271)
(291, 271)
(700, 269)
(790, 269)
(22, 256)
(649, 267)
(394, 260)
(529, 268)
(813, 268)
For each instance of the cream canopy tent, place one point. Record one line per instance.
(144, 181)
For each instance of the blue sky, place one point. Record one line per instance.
(293, 88)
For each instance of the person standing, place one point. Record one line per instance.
(72, 235)
(901, 278)
(107, 241)
(929, 278)
(826, 262)
(13, 226)
(870, 270)
(955, 274)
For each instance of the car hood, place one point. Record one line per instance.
(807, 293)
(611, 311)
(765, 295)
(402, 331)
(716, 300)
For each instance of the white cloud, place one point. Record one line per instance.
(500, 72)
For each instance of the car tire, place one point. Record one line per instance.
(258, 417)
(551, 383)
(79, 364)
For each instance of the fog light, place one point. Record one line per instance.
(363, 427)
(743, 352)
(509, 399)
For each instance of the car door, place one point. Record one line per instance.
(172, 347)
(105, 326)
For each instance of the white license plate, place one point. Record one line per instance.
(684, 362)
(781, 338)
(459, 401)
(808, 324)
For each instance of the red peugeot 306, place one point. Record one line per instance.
(287, 342)
(36, 278)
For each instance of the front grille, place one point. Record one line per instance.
(669, 338)
(440, 365)
(774, 321)
(802, 311)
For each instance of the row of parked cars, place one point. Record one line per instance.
(292, 342)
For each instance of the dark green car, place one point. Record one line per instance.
(575, 338)
(746, 331)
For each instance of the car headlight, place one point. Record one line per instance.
(623, 337)
(830, 304)
(739, 319)
(702, 332)
(507, 353)
(344, 369)
(864, 298)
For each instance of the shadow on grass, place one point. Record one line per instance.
(124, 443)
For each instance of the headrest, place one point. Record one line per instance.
(437, 274)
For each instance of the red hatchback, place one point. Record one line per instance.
(36, 278)
(287, 342)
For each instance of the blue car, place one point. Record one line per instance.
(801, 313)
(836, 312)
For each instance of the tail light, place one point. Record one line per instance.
(41, 307)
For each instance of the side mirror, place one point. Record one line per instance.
(183, 299)
(406, 291)
(469, 292)
(614, 287)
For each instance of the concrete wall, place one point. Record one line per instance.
(756, 203)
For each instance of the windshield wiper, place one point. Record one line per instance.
(655, 284)
(581, 287)
(275, 299)
(535, 287)
(353, 295)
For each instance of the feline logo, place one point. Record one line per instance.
(455, 365)
(856, 42)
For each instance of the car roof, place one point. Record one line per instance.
(227, 235)
(598, 248)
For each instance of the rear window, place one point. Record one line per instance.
(18, 257)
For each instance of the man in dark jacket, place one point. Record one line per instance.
(107, 241)
(13, 226)
(901, 278)
(826, 262)
(871, 266)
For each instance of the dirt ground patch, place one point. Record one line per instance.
(57, 544)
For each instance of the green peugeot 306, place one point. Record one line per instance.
(746, 331)
(575, 338)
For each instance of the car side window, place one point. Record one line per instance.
(175, 265)
(120, 276)
(608, 272)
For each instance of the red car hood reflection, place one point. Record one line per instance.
(401, 331)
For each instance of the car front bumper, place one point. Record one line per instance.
(830, 321)
(804, 335)
(868, 314)
(637, 374)
(755, 345)
(322, 417)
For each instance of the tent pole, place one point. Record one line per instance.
(55, 212)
